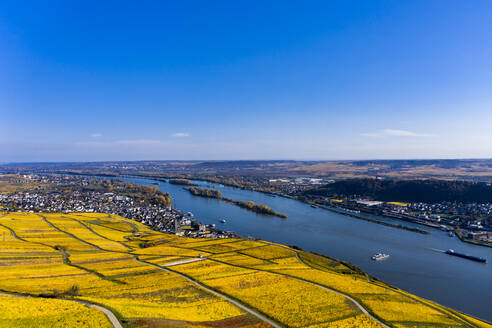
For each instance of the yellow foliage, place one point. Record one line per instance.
(397, 204)
(358, 321)
(294, 303)
(163, 295)
(97, 254)
(27, 312)
(268, 252)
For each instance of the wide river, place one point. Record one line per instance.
(416, 263)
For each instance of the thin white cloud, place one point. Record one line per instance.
(181, 134)
(396, 133)
(96, 135)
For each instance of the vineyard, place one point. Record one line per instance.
(54, 266)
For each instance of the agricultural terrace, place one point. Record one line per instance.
(27, 312)
(150, 279)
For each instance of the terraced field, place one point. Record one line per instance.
(65, 262)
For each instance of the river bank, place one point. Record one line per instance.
(417, 263)
(164, 178)
(414, 264)
(460, 235)
(398, 226)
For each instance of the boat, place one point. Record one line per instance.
(223, 221)
(450, 234)
(379, 257)
(189, 214)
(314, 206)
(466, 256)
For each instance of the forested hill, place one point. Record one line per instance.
(408, 190)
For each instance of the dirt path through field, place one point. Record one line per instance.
(216, 293)
(184, 261)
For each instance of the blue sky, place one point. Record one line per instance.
(116, 80)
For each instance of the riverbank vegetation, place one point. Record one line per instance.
(427, 191)
(202, 192)
(251, 206)
(101, 254)
(184, 182)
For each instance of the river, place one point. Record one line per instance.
(416, 263)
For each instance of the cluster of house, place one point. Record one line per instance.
(445, 215)
(450, 208)
(291, 186)
(161, 218)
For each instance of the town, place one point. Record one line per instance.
(455, 218)
(68, 194)
(470, 221)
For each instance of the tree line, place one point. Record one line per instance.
(251, 206)
(428, 191)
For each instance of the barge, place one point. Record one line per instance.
(466, 256)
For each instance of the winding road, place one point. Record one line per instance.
(114, 321)
(216, 293)
(341, 294)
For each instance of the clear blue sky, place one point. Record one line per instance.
(116, 80)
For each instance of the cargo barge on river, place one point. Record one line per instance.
(466, 256)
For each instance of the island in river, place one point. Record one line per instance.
(251, 206)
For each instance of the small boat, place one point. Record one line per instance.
(223, 221)
(314, 206)
(379, 257)
(451, 234)
(189, 214)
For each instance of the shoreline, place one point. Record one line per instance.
(150, 181)
(249, 206)
(162, 177)
(360, 217)
(471, 241)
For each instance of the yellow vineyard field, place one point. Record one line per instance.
(27, 312)
(137, 273)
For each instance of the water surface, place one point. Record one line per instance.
(416, 261)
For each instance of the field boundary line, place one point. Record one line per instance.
(350, 298)
(69, 234)
(104, 237)
(82, 240)
(242, 306)
(456, 318)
